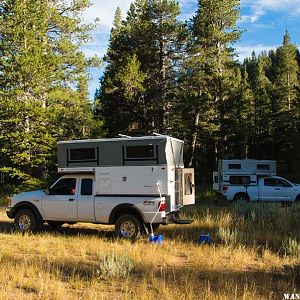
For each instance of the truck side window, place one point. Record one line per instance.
(283, 183)
(86, 186)
(65, 186)
(270, 181)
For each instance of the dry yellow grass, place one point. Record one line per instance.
(85, 261)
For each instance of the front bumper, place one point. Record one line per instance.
(10, 212)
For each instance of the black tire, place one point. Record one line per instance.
(128, 227)
(241, 197)
(55, 224)
(297, 199)
(25, 221)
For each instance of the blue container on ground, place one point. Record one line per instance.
(204, 239)
(158, 239)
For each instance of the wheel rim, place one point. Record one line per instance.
(128, 229)
(24, 222)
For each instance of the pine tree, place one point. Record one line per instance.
(286, 99)
(40, 63)
(148, 42)
(211, 68)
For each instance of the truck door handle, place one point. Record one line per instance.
(71, 199)
(277, 189)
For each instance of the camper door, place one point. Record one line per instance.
(188, 184)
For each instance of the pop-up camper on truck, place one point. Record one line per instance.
(252, 180)
(132, 182)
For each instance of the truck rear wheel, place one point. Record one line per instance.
(241, 197)
(128, 226)
(25, 221)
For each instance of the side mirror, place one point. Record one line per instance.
(47, 191)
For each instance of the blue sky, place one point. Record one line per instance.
(264, 22)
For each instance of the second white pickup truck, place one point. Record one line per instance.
(267, 189)
(253, 180)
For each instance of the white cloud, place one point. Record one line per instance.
(245, 51)
(259, 8)
(105, 10)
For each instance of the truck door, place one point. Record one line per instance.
(284, 191)
(86, 199)
(275, 189)
(60, 203)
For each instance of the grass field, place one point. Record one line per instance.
(255, 254)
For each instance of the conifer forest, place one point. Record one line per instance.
(161, 74)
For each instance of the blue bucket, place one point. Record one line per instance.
(204, 239)
(158, 239)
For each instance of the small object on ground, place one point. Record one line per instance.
(204, 239)
(156, 238)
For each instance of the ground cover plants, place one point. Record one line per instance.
(254, 254)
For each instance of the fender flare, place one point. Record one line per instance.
(27, 205)
(126, 208)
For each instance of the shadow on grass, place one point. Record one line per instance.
(8, 227)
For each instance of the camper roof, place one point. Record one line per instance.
(122, 138)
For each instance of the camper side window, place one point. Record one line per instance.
(82, 154)
(263, 167)
(234, 166)
(239, 179)
(140, 152)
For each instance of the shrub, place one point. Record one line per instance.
(114, 265)
(228, 235)
(291, 247)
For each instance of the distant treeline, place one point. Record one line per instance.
(161, 75)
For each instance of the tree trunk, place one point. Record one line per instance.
(194, 139)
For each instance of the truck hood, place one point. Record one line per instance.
(28, 196)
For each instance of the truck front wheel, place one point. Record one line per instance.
(128, 226)
(241, 197)
(25, 221)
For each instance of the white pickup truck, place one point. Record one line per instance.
(134, 183)
(273, 188)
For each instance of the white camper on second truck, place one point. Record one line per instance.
(133, 182)
(252, 180)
